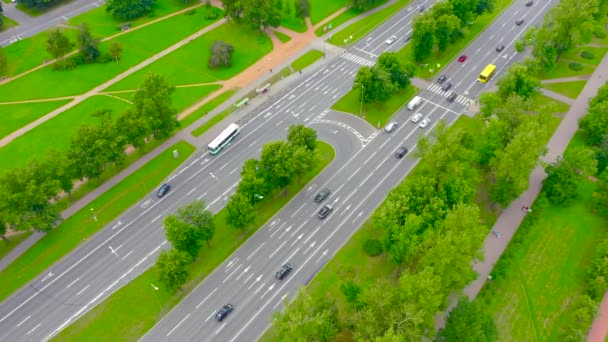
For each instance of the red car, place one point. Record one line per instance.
(462, 58)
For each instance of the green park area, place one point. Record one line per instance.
(135, 308)
(76, 229)
(569, 89)
(282, 37)
(319, 10)
(15, 116)
(306, 59)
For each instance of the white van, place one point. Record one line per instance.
(415, 102)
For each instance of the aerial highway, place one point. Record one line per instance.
(364, 171)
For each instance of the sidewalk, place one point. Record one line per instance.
(511, 218)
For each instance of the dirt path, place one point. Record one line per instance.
(599, 328)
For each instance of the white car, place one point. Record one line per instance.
(391, 127)
(425, 123)
(391, 40)
(416, 117)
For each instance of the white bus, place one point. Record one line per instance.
(224, 138)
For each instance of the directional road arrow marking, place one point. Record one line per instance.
(242, 273)
(118, 224)
(311, 246)
(269, 289)
(50, 274)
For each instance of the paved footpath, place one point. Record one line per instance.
(511, 218)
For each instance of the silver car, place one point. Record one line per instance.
(416, 117)
(391, 127)
(391, 40)
(425, 123)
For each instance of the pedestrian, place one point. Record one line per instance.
(270, 69)
(300, 72)
(522, 208)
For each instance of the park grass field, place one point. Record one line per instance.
(569, 89)
(321, 9)
(562, 70)
(131, 311)
(306, 59)
(138, 46)
(70, 233)
(207, 107)
(55, 133)
(188, 65)
(282, 37)
(182, 97)
(543, 269)
(15, 116)
(575, 55)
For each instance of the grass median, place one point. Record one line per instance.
(207, 107)
(569, 89)
(80, 226)
(134, 309)
(307, 59)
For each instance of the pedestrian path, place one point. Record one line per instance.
(358, 59)
(463, 100)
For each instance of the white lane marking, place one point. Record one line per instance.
(205, 299)
(126, 255)
(231, 263)
(26, 318)
(233, 170)
(243, 273)
(72, 283)
(353, 174)
(191, 191)
(208, 318)
(178, 324)
(156, 218)
(84, 289)
(220, 328)
(278, 249)
(278, 230)
(286, 231)
(300, 227)
(313, 234)
(291, 255)
(246, 280)
(259, 288)
(223, 166)
(257, 249)
(231, 274)
(296, 241)
(253, 143)
(201, 196)
(280, 301)
(34, 328)
(300, 208)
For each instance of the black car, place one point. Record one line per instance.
(322, 195)
(325, 211)
(401, 152)
(421, 9)
(529, 3)
(519, 22)
(452, 96)
(442, 79)
(162, 191)
(446, 86)
(284, 271)
(499, 48)
(224, 312)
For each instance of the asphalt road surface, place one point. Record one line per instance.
(364, 171)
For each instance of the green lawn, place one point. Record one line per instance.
(377, 114)
(307, 59)
(102, 24)
(14, 241)
(282, 37)
(182, 97)
(217, 118)
(445, 57)
(138, 46)
(575, 55)
(73, 231)
(363, 26)
(18, 115)
(542, 100)
(570, 89)
(289, 20)
(321, 9)
(338, 20)
(8, 23)
(188, 65)
(562, 70)
(207, 107)
(543, 268)
(55, 133)
(131, 311)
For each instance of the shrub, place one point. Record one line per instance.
(190, 12)
(372, 247)
(67, 63)
(350, 290)
(587, 55)
(599, 33)
(575, 66)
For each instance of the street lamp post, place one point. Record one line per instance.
(421, 65)
(94, 215)
(156, 295)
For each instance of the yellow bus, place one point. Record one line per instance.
(487, 72)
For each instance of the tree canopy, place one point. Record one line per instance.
(129, 9)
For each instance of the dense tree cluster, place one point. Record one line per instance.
(379, 82)
(280, 163)
(26, 192)
(468, 323)
(37, 3)
(364, 5)
(129, 9)
(262, 14)
(58, 45)
(221, 54)
(519, 80)
(444, 23)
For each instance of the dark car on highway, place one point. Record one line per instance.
(519, 22)
(442, 79)
(284, 271)
(224, 312)
(162, 191)
(322, 195)
(325, 211)
(499, 48)
(446, 86)
(401, 152)
(529, 3)
(452, 96)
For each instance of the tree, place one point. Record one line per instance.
(183, 236)
(276, 164)
(221, 54)
(300, 135)
(196, 215)
(518, 80)
(152, 101)
(115, 50)
(233, 9)
(389, 62)
(3, 63)
(87, 45)
(496, 135)
(484, 6)
(302, 8)
(129, 9)
(447, 30)
(594, 125)
(241, 211)
(489, 102)
(261, 14)
(464, 9)
(57, 44)
(423, 37)
(252, 181)
(363, 5)
(306, 319)
(61, 169)
(303, 160)
(172, 269)
(468, 323)
(133, 127)
(3, 230)
(1, 16)
(278, 4)
(375, 84)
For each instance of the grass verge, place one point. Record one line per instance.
(543, 268)
(570, 89)
(575, 55)
(76, 229)
(217, 118)
(563, 70)
(306, 59)
(321, 9)
(132, 310)
(282, 37)
(18, 115)
(207, 107)
(8, 23)
(377, 114)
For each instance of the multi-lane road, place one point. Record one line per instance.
(364, 171)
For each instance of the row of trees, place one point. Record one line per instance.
(381, 81)
(26, 192)
(262, 14)
(187, 230)
(444, 24)
(281, 162)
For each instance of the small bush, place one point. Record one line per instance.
(190, 12)
(372, 247)
(599, 33)
(350, 290)
(575, 66)
(66, 63)
(587, 55)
